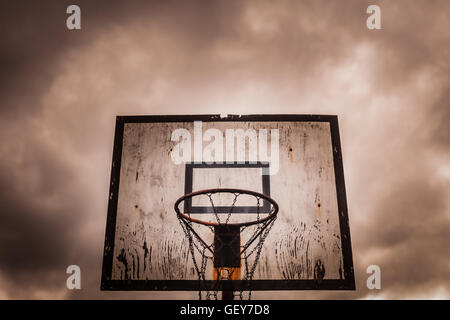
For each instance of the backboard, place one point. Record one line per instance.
(293, 159)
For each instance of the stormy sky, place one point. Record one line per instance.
(60, 91)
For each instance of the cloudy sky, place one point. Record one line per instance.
(60, 91)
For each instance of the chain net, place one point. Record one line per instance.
(251, 246)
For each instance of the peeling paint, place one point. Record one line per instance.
(319, 270)
(318, 210)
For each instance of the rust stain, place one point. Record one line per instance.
(227, 273)
(291, 158)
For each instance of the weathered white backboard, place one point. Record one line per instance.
(294, 159)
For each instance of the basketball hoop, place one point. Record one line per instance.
(226, 249)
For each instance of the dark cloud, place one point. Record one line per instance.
(42, 211)
(60, 91)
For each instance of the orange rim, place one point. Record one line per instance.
(226, 190)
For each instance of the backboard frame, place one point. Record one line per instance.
(348, 283)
